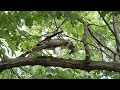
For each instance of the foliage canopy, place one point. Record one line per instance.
(22, 30)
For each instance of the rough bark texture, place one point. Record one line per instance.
(60, 62)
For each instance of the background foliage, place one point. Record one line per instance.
(21, 30)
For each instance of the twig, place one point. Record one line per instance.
(96, 25)
(101, 50)
(27, 72)
(71, 37)
(15, 73)
(60, 25)
(49, 37)
(54, 20)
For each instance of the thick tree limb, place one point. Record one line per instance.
(60, 62)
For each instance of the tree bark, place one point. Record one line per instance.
(60, 62)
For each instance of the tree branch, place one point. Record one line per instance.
(82, 21)
(12, 71)
(60, 25)
(60, 62)
(99, 41)
(106, 23)
(47, 38)
(110, 28)
(27, 72)
(101, 51)
(116, 30)
(84, 40)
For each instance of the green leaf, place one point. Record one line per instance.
(103, 13)
(116, 13)
(29, 22)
